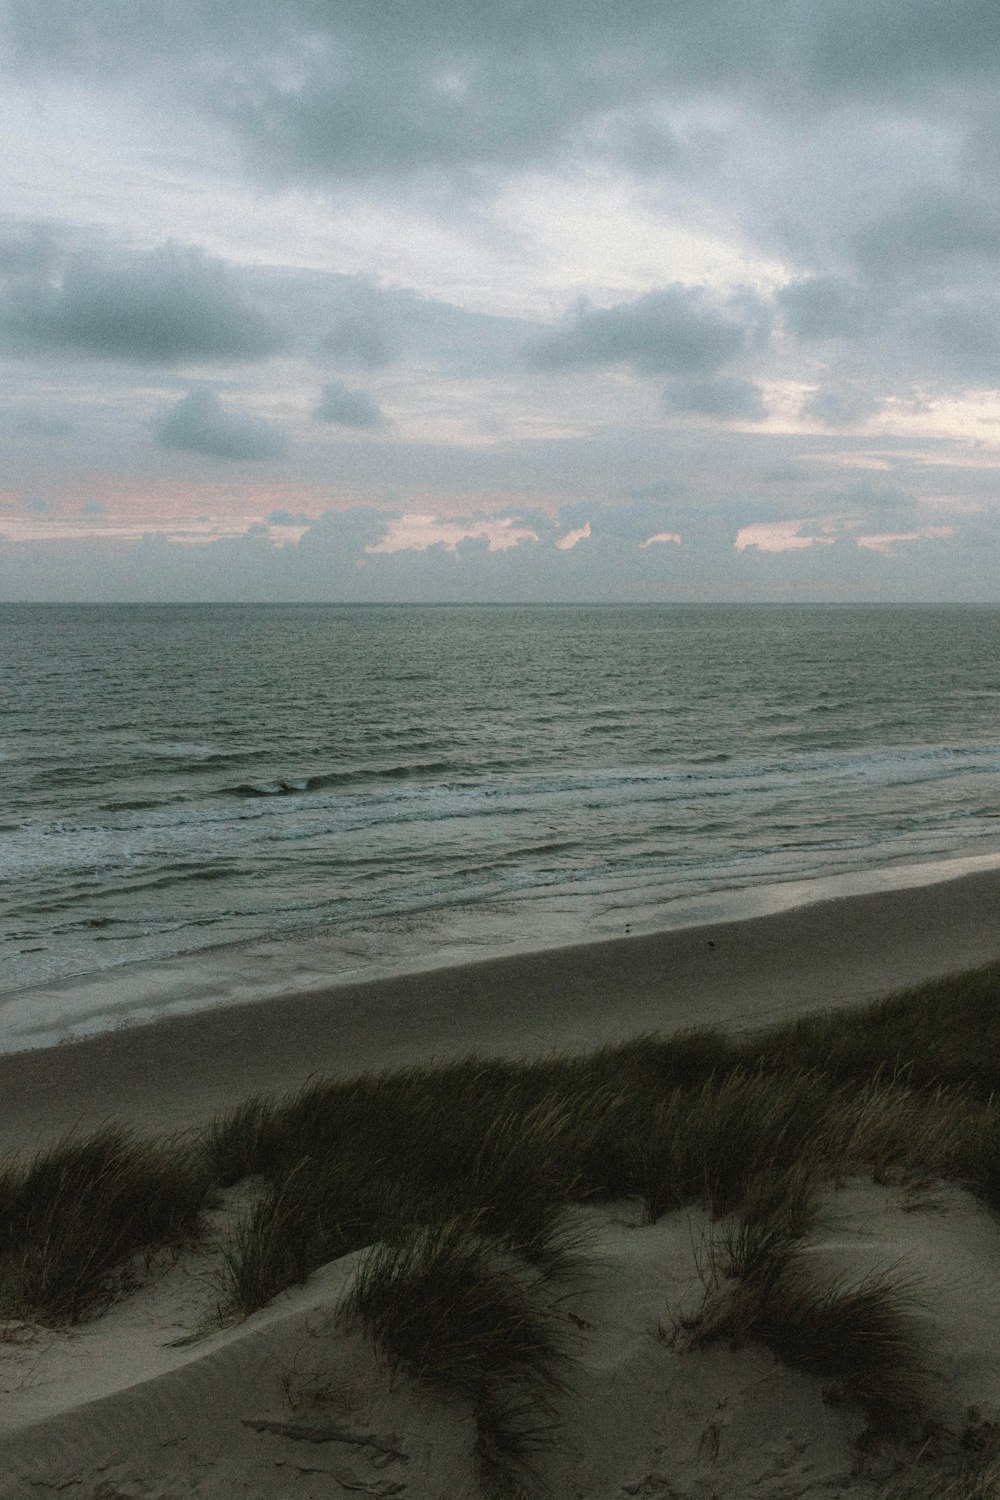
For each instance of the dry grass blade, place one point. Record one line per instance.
(978, 1481)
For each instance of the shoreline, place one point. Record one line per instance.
(175, 1072)
(144, 991)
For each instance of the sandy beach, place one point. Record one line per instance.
(177, 1072)
(116, 1409)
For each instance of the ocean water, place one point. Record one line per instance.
(417, 781)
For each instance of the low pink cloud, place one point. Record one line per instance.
(885, 542)
(567, 542)
(777, 536)
(661, 536)
(418, 532)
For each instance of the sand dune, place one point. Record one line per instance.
(154, 1401)
(289, 1403)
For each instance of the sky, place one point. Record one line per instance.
(528, 300)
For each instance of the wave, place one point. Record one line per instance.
(288, 786)
(140, 804)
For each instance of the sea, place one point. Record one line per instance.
(397, 787)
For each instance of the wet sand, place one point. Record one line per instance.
(175, 1073)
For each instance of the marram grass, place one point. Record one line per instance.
(460, 1176)
(463, 1315)
(73, 1219)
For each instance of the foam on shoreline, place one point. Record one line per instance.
(178, 1071)
(137, 993)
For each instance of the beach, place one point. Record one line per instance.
(176, 1073)
(153, 1399)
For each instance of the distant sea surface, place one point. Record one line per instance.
(414, 780)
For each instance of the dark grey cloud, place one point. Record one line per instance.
(92, 508)
(322, 91)
(850, 142)
(672, 331)
(666, 490)
(358, 338)
(26, 250)
(36, 504)
(169, 306)
(786, 473)
(355, 323)
(347, 407)
(842, 406)
(958, 337)
(201, 424)
(726, 398)
(931, 228)
(289, 518)
(825, 307)
(860, 45)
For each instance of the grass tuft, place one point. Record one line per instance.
(977, 1481)
(764, 1289)
(709, 1144)
(313, 1214)
(453, 1308)
(236, 1143)
(71, 1221)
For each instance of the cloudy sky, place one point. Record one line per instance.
(534, 299)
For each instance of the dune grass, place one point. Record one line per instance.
(463, 1315)
(73, 1219)
(457, 1180)
(858, 1336)
(975, 1480)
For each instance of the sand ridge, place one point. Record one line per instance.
(291, 1403)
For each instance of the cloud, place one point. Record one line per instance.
(347, 407)
(725, 399)
(673, 331)
(475, 169)
(201, 424)
(931, 227)
(92, 508)
(569, 541)
(778, 536)
(960, 337)
(327, 93)
(289, 518)
(861, 45)
(824, 307)
(169, 306)
(36, 504)
(25, 250)
(439, 89)
(886, 542)
(358, 338)
(37, 425)
(841, 406)
(417, 533)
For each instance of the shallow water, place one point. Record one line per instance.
(411, 780)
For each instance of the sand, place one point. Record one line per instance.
(289, 1404)
(177, 1072)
